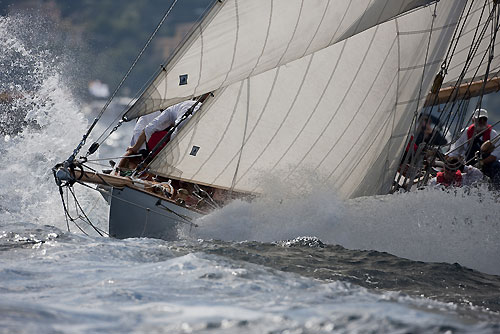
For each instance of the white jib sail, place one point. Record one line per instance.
(241, 38)
(343, 111)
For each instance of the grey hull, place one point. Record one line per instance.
(134, 214)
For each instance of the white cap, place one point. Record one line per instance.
(478, 113)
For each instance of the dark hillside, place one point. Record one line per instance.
(113, 32)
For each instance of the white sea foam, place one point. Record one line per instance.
(36, 80)
(427, 225)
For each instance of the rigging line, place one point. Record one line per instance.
(81, 229)
(83, 212)
(415, 114)
(138, 57)
(181, 49)
(233, 182)
(444, 68)
(88, 222)
(472, 51)
(434, 15)
(98, 164)
(468, 62)
(66, 212)
(96, 202)
(494, 29)
(118, 120)
(450, 119)
(451, 106)
(490, 59)
(75, 152)
(64, 207)
(461, 117)
(454, 39)
(73, 220)
(494, 139)
(121, 157)
(99, 176)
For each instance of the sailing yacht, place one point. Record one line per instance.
(333, 87)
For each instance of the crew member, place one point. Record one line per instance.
(450, 176)
(150, 130)
(473, 137)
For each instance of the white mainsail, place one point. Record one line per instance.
(240, 38)
(343, 111)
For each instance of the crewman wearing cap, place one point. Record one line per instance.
(450, 176)
(473, 137)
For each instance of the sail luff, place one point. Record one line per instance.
(238, 39)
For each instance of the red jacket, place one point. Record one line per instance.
(486, 134)
(155, 139)
(457, 180)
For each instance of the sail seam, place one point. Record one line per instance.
(233, 183)
(319, 100)
(317, 28)
(340, 56)
(282, 122)
(398, 90)
(266, 39)
(235, 43)
(223, 134)
(341, 102)
(362, 103)
(372, 142)
(362, 147)
(264, 108)
(202, 52)
(194, 121)
(425, 31)
(341, 21)
(287, 114)
(366, 95)
(293, 34)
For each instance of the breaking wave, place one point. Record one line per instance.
(426, 225)
(40, 121)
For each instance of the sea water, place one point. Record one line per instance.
(288, 262)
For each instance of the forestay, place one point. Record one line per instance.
(241, 38)
(343, 111)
